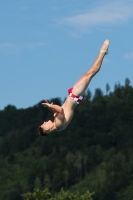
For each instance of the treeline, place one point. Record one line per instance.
(38, 194)
(95, 152)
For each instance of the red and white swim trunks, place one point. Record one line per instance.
(77, 99)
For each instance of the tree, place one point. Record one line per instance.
(37, 182)
(88, 95)
(98, 93)
(47, 181)
(107, 88)
(66, 177)
(127, 82)
(62, 195)
(85, 158)
(78, 165)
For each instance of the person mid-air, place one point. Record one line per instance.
(63, 114)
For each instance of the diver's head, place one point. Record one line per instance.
(45, 128)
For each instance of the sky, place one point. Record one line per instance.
(46, 45)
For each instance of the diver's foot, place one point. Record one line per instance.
(104, 48)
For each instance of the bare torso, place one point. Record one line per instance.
(68, 108)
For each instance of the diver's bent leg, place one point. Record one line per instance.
(81, 85)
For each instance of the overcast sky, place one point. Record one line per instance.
(45, 46)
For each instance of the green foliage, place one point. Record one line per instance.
(94, 152)
(37, 195)
(62, 195)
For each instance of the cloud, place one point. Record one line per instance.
(11, 48)
(129, 56)
(109, 12)
(34, 45)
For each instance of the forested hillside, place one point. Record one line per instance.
(95, 152)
